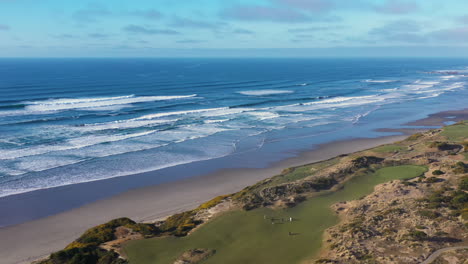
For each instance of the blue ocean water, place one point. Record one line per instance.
(67, 121)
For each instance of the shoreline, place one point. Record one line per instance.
(35, 239)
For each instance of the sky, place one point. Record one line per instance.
(230, 28)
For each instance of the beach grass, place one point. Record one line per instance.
(247, 237)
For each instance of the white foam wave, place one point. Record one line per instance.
(265, 92)
(448, 77)
(420, 85)
(225, 112)
(158, 115)
(74, 143)
(122, 124)
(389, 90)
(216, 121)
(338, 102)
(264, 115)
(378, 81)
(87, 103)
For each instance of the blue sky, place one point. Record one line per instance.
(114, 28)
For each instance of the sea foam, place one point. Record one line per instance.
(265, 92)
(90, 103)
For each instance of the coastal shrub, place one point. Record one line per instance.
(365, 257)
(463, 184)
(179, 224)
(105, 232)
(355, 226)
(464, 214)
(459, 199)
(433, 180)
(417, 235)
(365, 161)
(438, 145)
(465, 146)
(429, 214)
(85, 250)
(397, 211)
(415, 136)
(408, 183)
(460, 168)
(323, 183)
(441, 233)
(86, 255)
(212, 202)
(287, 171)
(438, 172)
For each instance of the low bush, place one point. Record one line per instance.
(463, 184)
(179, 224)
(464, 214)
(212, 202)
(105, 232)
(429, 214)
(460, 168)
(459, 200)
(465, 146)
(433, 180)
(415, 136)
(417, 235)
(323, 183)
(86, 255)
(438, 172)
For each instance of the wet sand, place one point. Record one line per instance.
(441, 118)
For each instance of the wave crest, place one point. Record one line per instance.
(90, 103)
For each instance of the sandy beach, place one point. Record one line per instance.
(35, 239)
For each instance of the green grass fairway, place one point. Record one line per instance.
(246, 237)
(456, 132)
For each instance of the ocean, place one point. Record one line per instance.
(68, 121)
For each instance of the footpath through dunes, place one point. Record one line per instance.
(250, 237)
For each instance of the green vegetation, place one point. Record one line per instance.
(181, 224)
(463, 184)
(456, 132)
(246, 237)
(105, 232)
(389, 148)
(294, 174)
(454, 199)
(438, 172)
(460, 168)
(417, 235)
(429, 214)
(415, 137)
(85, 249)
(433, 180)
(212, 202)
(86, 255)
